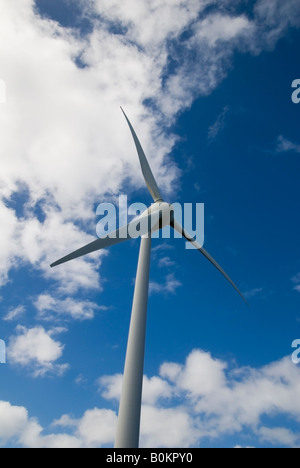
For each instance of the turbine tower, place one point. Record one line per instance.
(157, 216)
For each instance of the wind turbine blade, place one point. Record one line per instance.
(116, 237)
(146, 170)
(189, 238)
(138, 227)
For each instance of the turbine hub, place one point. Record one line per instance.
(161, 215)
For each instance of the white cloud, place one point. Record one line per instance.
(36, 350)
(284, 145)
(15, 313)
(110, 386)
(252, 292)
(186, 405)
(240, 447)
(161, 247)
(169, 286)
(97, 427)
(167, 18)
(167, 427)
(202, 375)
(8, 242)
(273, 19)
(170, 371)
(61, 152)
(154, 388)
(211, 400)
(215, 129)
(13, 419)
(32, 437)
(165, 262)
(280, 436)
(66, 117)
(28, 241)
(45, 242)
(296, 281)
(223, 28)
(51, 308)
(62, 156)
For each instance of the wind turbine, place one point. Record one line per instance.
(158, 215)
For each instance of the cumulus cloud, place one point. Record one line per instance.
(9, 249)
(168, 427)
(57, 151)
(41, 242)
(13, 420)
(167, 18)
(96, 428)
(186, 405)
(196, 60)
(223, 28)
(63, 92)
(211, 399)
(65, 118)
(36, 350)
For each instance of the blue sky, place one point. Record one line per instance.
(208, 88)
